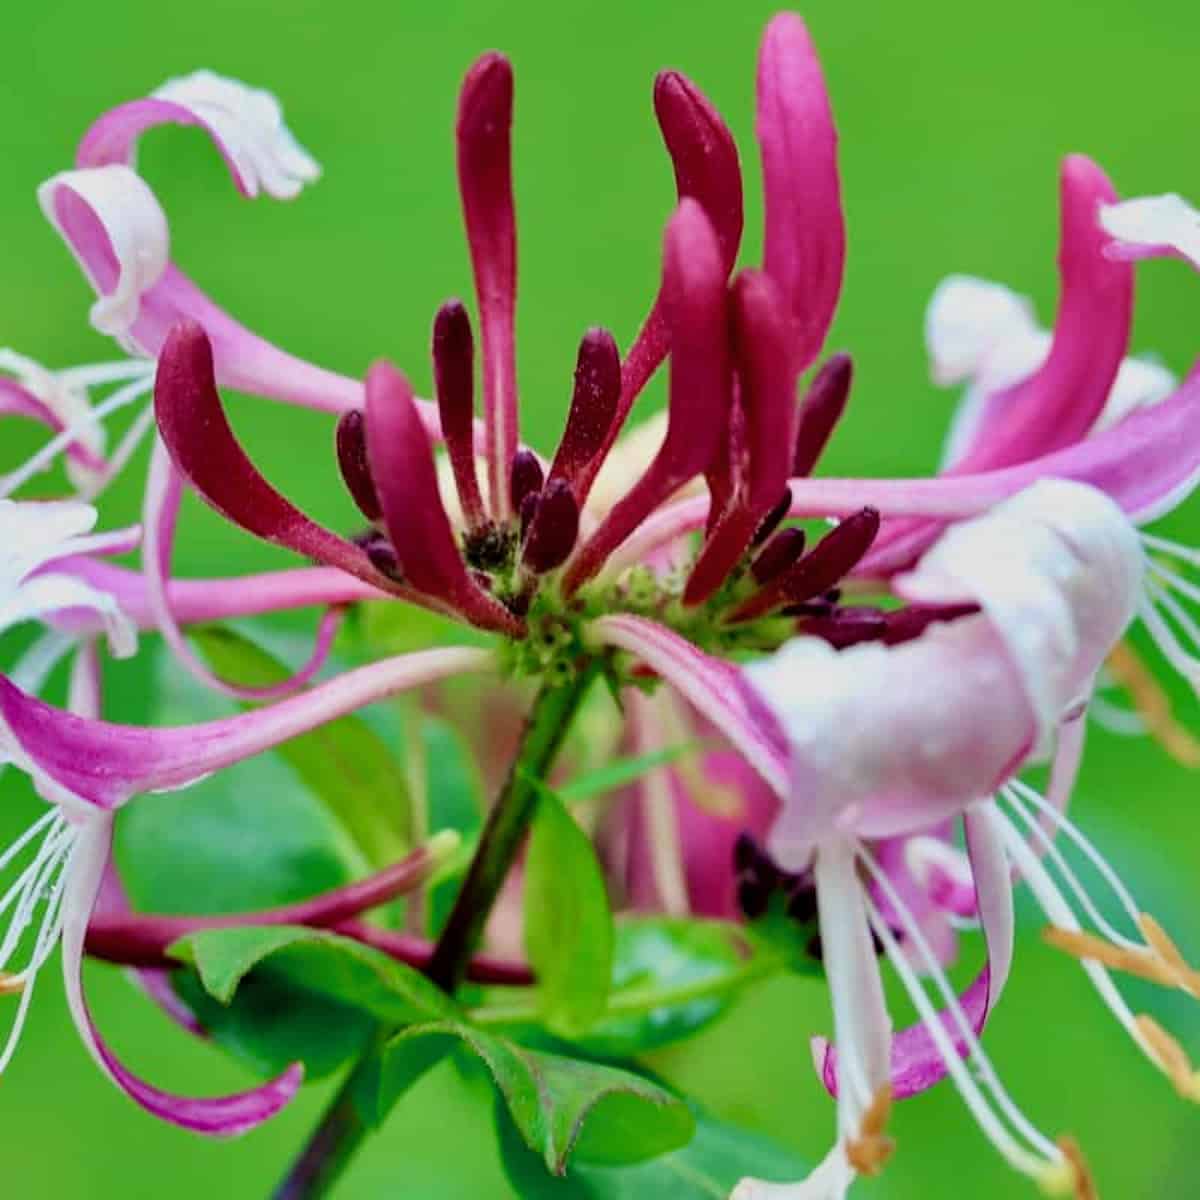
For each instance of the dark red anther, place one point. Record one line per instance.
(847, 627)
(778, 555)
(383, 556)
(526, 509)
(904, 624)
(820, 411)
(772, 520)
(593, 404)
(454, 383)
(351, 443)
(527, 477)
(553, 529)
(832, 558)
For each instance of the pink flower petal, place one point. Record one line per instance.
(102, 764)
(223, 1116)
(715, 687)
(484, 132)
(804, 246)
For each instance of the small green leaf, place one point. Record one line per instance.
(316, 961)
(621, 772)
(270, 1024)
(671, 977)
(707, 1168)
(565, 1109)
(343, 762)
(242, 839)
(568, 922)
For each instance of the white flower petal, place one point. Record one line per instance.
(117, 231)
(1150, 225)
(967, 320)
(248, 122)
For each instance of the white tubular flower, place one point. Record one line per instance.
(893, 741)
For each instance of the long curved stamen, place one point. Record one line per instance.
(1045, 1161)
(43, 882)
(1059, 912)
(121, 398)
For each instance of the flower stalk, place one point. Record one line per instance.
(343, 1127)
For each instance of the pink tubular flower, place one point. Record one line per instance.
(894, 741)
(85, 769)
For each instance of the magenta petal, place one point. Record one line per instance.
(103, 764)
(763, 353)
(405, 477)
(699, 394)
(197, 434)
(705, 160)
(805, 239)
(717, 688)
(223, 1116)
(484, 132)
(1060, 402)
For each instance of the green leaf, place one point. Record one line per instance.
(343, 762)
(565, 1109)
(316, 960)
(270, 1024)
(455, 798)
(707, 1168)
(671, 978)
(621, 772)
(244, 838)
(568, 922)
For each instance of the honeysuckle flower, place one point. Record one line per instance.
(85, 769)
(889, 742)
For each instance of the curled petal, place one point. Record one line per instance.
(245, 123)
(1058, 571)
(1061, 401)
(114, 226)
(715, 687)
(223, 1116)
(967, 322)
(1152, 227)
(805, 239)
(202, 444)
(95, 763)
(402, 466)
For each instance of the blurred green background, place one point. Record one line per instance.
(952, 123)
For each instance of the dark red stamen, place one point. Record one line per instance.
(351, 443)
(527, 478)
(907, 623)
(820, 411)
(529, 506)
(832, 558)
(847, 626)
(593, 405)
(454, 383)
(553, 528)
(772, 520)
(778, 555)
(484, 131)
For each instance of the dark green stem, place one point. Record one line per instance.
(342, 1129)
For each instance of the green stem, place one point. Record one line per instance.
(638, 1001)
(342, 1129)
